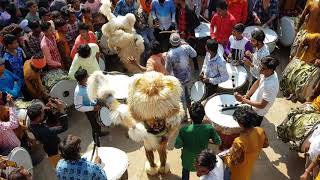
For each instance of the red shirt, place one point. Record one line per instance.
(224, 26)
(239, 9)
(182, 20)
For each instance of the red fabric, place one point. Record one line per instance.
(239, 9)
(224, 26)
(80, 40)
(182, 20)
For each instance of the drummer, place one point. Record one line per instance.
(265, 12)
(72, 166)
(214, 70)
(263, 92)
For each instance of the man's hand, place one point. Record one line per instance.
(317, 62)
(205, 80)
(10, 100)
(132, 60)
(257, 20)
(97, 108)
(247, 62)
(201, 76)
(304, 176)
(238, 97)
(248, 53)
(58, 104)
(97, 160)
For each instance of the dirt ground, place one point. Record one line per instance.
(276, 162)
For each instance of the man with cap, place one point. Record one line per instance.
(31, 70)
(177, 64)
(9, 82)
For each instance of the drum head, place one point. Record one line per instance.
(286, 31)
(64, 90)
(240, 77)
(114, 160)
(271, 36)
(203, 30)
(22, 158)
(198, 91)
(213, 111)
(102, 64)
(120, 84)
(105, 116)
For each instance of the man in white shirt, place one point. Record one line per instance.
(263, 92)
(209, 166)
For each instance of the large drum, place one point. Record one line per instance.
(300, 79)
(287, 30)
(114, 161)
(222, 119)
(22, 158)
(271, 36)
(237, 82)
(198, 91)
(60, 86)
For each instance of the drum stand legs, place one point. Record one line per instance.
(151, 167)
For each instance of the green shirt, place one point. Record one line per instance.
(193, 139)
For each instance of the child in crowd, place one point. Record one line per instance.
(194, 138)
(75, 5)
(44, 14)
(72, 25)
(35, 37)
(87, 17)
(209, 166)
(62, 43)
(93, 5)
(33, 14)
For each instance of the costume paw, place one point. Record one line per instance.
(150, 170)
(163, 169)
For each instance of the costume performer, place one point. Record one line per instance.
(122, 37)
(153, 113)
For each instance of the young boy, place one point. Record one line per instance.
(237, 45)
(35, 37)
(33, 14)
(194, 138)
(83, 104)
(87, 17)
(209, 166)
(14, 55)
(214, 70)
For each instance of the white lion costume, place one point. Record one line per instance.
(122, 37)
(153, 113)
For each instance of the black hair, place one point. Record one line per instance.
(270, 62)
(197, 112)
(207, 159)
(245, 116)
(258, 35)
(33, 25)
(43, 12)
(85, 10)
(34, 111)
(38, 55)
(17, 174)
(222, 4)
(30, 4)
(45, 26)
(13, 29)
(212, 45)
(83, 26)
(9, 39)
(84, 50)
(58, 23)
(239, 27)
(155, 48)
(80, 74)
(70, 148)
(55, 14)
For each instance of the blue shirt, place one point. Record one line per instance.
(15, 63)
(81, 100)
(177, 62)
(165, 13)
(122, 8)
(10, 83)
(79, 170)
(215, 69)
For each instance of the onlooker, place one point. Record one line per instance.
(209, 166)
(14, 55)
(84, 37)
(263, 92)
(93, 5)
(33, 14)
(82, 103)
(72, 25)
(56, 5)
(75, 5)
(49, 47)
(8, 139)
(5, 17)
(35, 37)
(124, 7)
(214, 70)
(48, 136)
(9, 82)
(266, 12)
(44, 14)
(62, 43)
(194, 138)
(222, 23)
(86, 58)
(87, 17)
(239, 10)
(72, 166)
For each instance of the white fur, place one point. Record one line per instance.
(98, 86)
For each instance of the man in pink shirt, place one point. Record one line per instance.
(223, 21)
(8, 139)
(49, 47)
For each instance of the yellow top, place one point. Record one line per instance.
(316, 103)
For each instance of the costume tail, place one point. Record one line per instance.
(105, 9)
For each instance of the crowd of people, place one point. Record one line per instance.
(38, 37)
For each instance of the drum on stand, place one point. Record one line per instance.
(22, 158)
(286, 30)
(221, 119)
(198, 91)
(104, 118)
(60, 86)
(271, 36)
(114, 161)
(237, 82)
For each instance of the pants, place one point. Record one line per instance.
(210, 89)
(186, 101)
(96, 128)
(185, 174)
(259, 121)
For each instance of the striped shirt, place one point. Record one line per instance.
(164, 13)
(257, 56)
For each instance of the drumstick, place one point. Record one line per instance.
(204, 19)
(173, 31)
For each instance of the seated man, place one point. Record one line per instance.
(266, 12)
(209, 166)
(72, 166)
(47, 135)
(9, 82)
